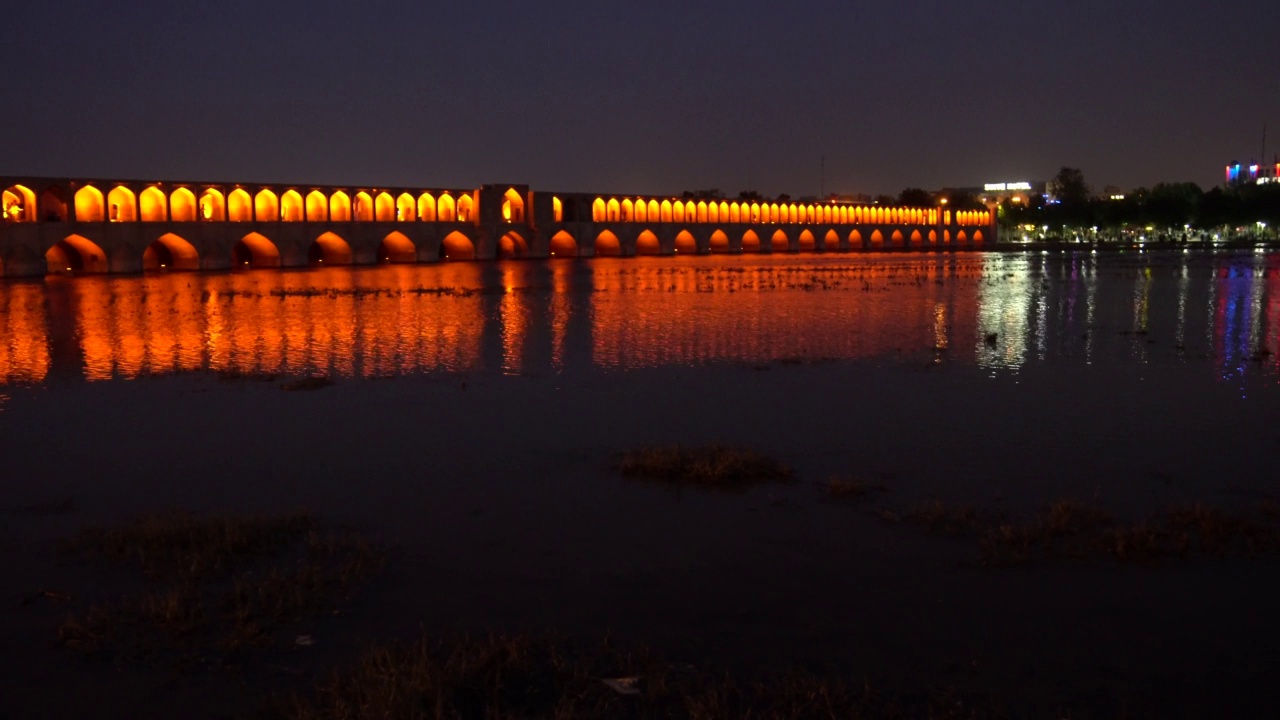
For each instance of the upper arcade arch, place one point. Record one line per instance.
(405, 209)
(266, 206)
(18, 204)
(182, 205)
(362, 207)
(384, 207)
(239, 206)
(213, 206)
(465, 205)
(291, 209)
(427, 207)
(446, 209)
(317, 207)
(154, 205)
(53, 205)
(512, 206)
(122, 206)
(339, 207)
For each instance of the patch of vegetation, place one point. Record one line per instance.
(505, 677)
(717, 466)
(215, 586)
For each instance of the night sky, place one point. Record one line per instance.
(652, 97)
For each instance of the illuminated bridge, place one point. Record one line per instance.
(61, 225)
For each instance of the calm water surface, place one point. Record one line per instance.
(998, 311)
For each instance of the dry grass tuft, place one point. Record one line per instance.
(716, 466)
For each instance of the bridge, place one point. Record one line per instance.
(66, 225)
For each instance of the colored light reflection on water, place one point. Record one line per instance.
(997, 311)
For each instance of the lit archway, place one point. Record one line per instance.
(18, 204)
(677, 212)
(170, 252)
(405, 208)
(291, 209)
(362, 207)
(267, 206)
(339, 207)
(779, 242)
(961, 237)
(719, 242)
(563, 245)
(613, 211)
(916, 238)
(664, 213)
(154, 205)
(685, 243)
(855, 239)
(735, 215)
(329, 249)
(427, 207)
(511, 246)
(557, 210)
(647, 243)
(88, 202)
(317, 206)
(122, 206)
(807, 242)
(628, 211)
(75, 253)
(465, 206)
(877, 238)
(831, 241)
(397, 248)
(384, 207)
(597, 210)
(977, 236)
(607, 245)
(641, 211)
(933, 237)
(212, 206)
(446, 209)
(239, 206)
(456, 246)
(750, 241)
(701, 211)
(655, 211)
(512, 206)
(254, 251)
(182, 205)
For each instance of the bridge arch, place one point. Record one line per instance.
(916, 238)
(427, 207)
(122, 205)
(317, 207)
(266, 206)
(447, 209)
(628, 210)
(182, 205)
(339, 207)
(291, 209)
(254, 251)
(53, 204)
(170, 252)
(329, 249)
(855, 240)
(664, 212)
(557, 210)
(647, 243)
(807, 242)
(677, 212)
(779, 242)
(735, 215)
(977, 236)
(701, 211)
(76, 254)
(831, 241)
(933, 237)
(597, 210)
(89, 204)
(877, 238)
(563, 245)
(512, 245)
(405, 208)
(213, 206)
(239, 206)
(612, 211)
(396, 247)
(607, 245)
(896, 238)
(465, 206)
(655, 211)
(961, 237)
(362, 207)
(685, 243)
(19, 204)
(750, 241)
(384, 208)
(456, 246)
(512, 206)
(719, 242)
(154, 205)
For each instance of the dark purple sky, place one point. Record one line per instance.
(639, 97)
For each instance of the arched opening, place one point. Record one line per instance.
(628, 211)
(254, 251)
(512, 246)
(457, 246)
(916, 238)
(831, 241)
(447, 209)
(266, 206)
(896, 238)
(291, 209)
(691, 212)
(384, 208)
(122, 206)
(961, 237)
(946, 236)
(75, 253)
(465, 205)
(701, 210)
(655, 211)
(212, 206)
(977, 236)
(855, 240)
(613, 211)
(735, 215)
(607, 245)
(239, 206)
(686, 244)
(362, 207)
(182, 205)
(405, 208)
(677, 212)
(563, 245)
(557, 210)
(647, 244)
(329, 249)
(427, 207)
(597, 210)
(641, 212)
(512, 206)
(18, 204)
(750, 241)
(773, 213)
(339, 207)
(170, 252)
(153, 205)
(88, 204)
(779, 242)
(53, 205)
(807, 242)
(719, 242)
(933, 237)
(664, 213)
(877, 238)
(317, 207)
(397, 248)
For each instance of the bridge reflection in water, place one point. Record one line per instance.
(998, 311)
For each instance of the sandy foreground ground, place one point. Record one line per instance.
(502, 505)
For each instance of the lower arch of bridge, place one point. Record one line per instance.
(779, 242)
(254, 250)
(977, 236)
(961, 237)
(397, 248)
(916, 237)
(563, 245)
(877, 238)
(750, 241)
(855, 240)
(933, 237)
(896, 238)
(512, 245)
(647, 244)
(807, 241)
(686, 244)
(607, 245)
(719, 242)
(457, 246)
(75, 253)
(170, 252)
(831, 241)
(329, 249)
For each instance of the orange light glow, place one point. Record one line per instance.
(339, 207)
(291, 209)
(182, 204)
(807, 242)
(396, 247)
(677, 211)
(254, 250)
(686, 244)
(655, 211)
(641, 211)
(628, 211)
(977, 236)
(831, 241)
(384, 208)
(719, 242)
(665, 214)
(779, 243)
(647, 244)
(239, 206)
(597, 210)
(563, 245)
(447, 209)
(877, 239)
(465, 206)
(750, 241)
(512, 206)
(172, 252)
(123, 206)
(557, 210)
(406, 210)
(329, 249)
(855, 240)
(427, 207)
(607, 245)
(89, 204)
(154, 205)
(18, 204)
(362, 207)
(455, 245)
(75, 253)
(512, 245)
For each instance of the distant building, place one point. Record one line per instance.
(1253, 173)
(998, 192)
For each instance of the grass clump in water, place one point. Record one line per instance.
(718, 466)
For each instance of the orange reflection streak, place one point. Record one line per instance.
(24, 345)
